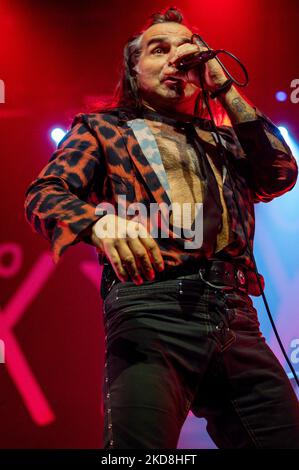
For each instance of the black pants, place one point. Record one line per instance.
(177, 345)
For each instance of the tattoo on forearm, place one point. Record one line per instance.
(240, 107)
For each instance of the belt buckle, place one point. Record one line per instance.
(241, 279)
(204, 272)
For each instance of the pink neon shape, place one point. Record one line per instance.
(18, 368)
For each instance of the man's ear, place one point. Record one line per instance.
(134, 71)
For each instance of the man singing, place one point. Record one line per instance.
(181, 329)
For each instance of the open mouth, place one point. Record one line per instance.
(173, 82)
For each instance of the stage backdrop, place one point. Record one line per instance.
(55, 58)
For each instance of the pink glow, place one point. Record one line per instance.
(15, 252)
(17, 365)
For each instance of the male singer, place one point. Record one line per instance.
(181, 330)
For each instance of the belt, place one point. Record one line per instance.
(216, 273)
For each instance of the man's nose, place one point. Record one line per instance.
(169, 62)
(171, 55)
(169, 69)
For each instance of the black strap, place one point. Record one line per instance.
(225, 87)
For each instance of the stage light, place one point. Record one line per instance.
(57, 134)
(284, 132)
(290, 141)
(281, 96)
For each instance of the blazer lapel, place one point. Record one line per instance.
(147, 158)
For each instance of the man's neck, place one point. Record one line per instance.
(171, 113)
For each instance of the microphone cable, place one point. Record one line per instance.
(222, 152)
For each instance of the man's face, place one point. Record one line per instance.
(160, 84)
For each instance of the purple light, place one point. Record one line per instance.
(281, 96)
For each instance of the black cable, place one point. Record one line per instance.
(199, 59)
(222, 152)
(240, 84)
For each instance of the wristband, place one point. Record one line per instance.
(225, 87)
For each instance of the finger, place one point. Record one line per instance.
(96, 241)
(142, 258)
(128, 261)
(114, 258)
(152, 248)
(183, 51)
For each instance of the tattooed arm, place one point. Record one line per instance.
(272, 169)
(236, 106)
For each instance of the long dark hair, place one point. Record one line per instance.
(126, 94)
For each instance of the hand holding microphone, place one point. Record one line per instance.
(193, 59)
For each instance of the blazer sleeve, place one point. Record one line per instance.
(272, 168)
(58, 202)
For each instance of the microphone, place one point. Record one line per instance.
(189, 62)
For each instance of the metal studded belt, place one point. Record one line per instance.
(222, 274)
